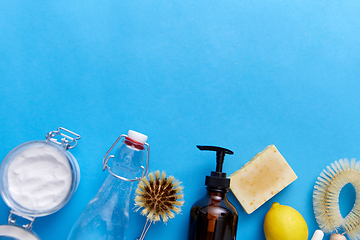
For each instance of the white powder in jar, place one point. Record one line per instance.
(39, 178)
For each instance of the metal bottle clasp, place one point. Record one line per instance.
(12, 219)
(66, 141)
(107, 158)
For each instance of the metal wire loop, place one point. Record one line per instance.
(107, 158)
(66, 141)
(12, 220)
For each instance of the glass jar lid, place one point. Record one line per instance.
(12, 232)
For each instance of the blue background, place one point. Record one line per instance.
(237, 74)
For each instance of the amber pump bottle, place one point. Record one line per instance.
(213, 217)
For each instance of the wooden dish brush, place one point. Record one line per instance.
(158, 196)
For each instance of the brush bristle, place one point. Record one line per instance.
(159, 196)
(326, 198)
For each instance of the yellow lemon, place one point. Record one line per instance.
(284, 223)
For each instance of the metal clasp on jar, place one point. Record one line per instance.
(66, 141)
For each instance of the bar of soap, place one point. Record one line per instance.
(261, 178)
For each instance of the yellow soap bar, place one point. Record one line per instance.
(261, 178)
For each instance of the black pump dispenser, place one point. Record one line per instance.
(217, 179)
(213, 217)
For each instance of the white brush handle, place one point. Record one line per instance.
(318, 235)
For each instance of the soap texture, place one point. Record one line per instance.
(261, 178)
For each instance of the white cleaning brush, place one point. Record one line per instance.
(326, 198)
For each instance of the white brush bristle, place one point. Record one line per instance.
(326, 198)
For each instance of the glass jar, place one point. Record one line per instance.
(37, 179)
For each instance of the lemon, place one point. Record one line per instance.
(284, 223)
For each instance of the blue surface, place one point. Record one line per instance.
(236, 74)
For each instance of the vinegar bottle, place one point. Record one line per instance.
(213, 217)
(106, 216)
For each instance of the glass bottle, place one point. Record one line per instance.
(106, 216)
(213, 217)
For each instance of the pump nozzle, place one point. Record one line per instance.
(220, 154)
(218, 178)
